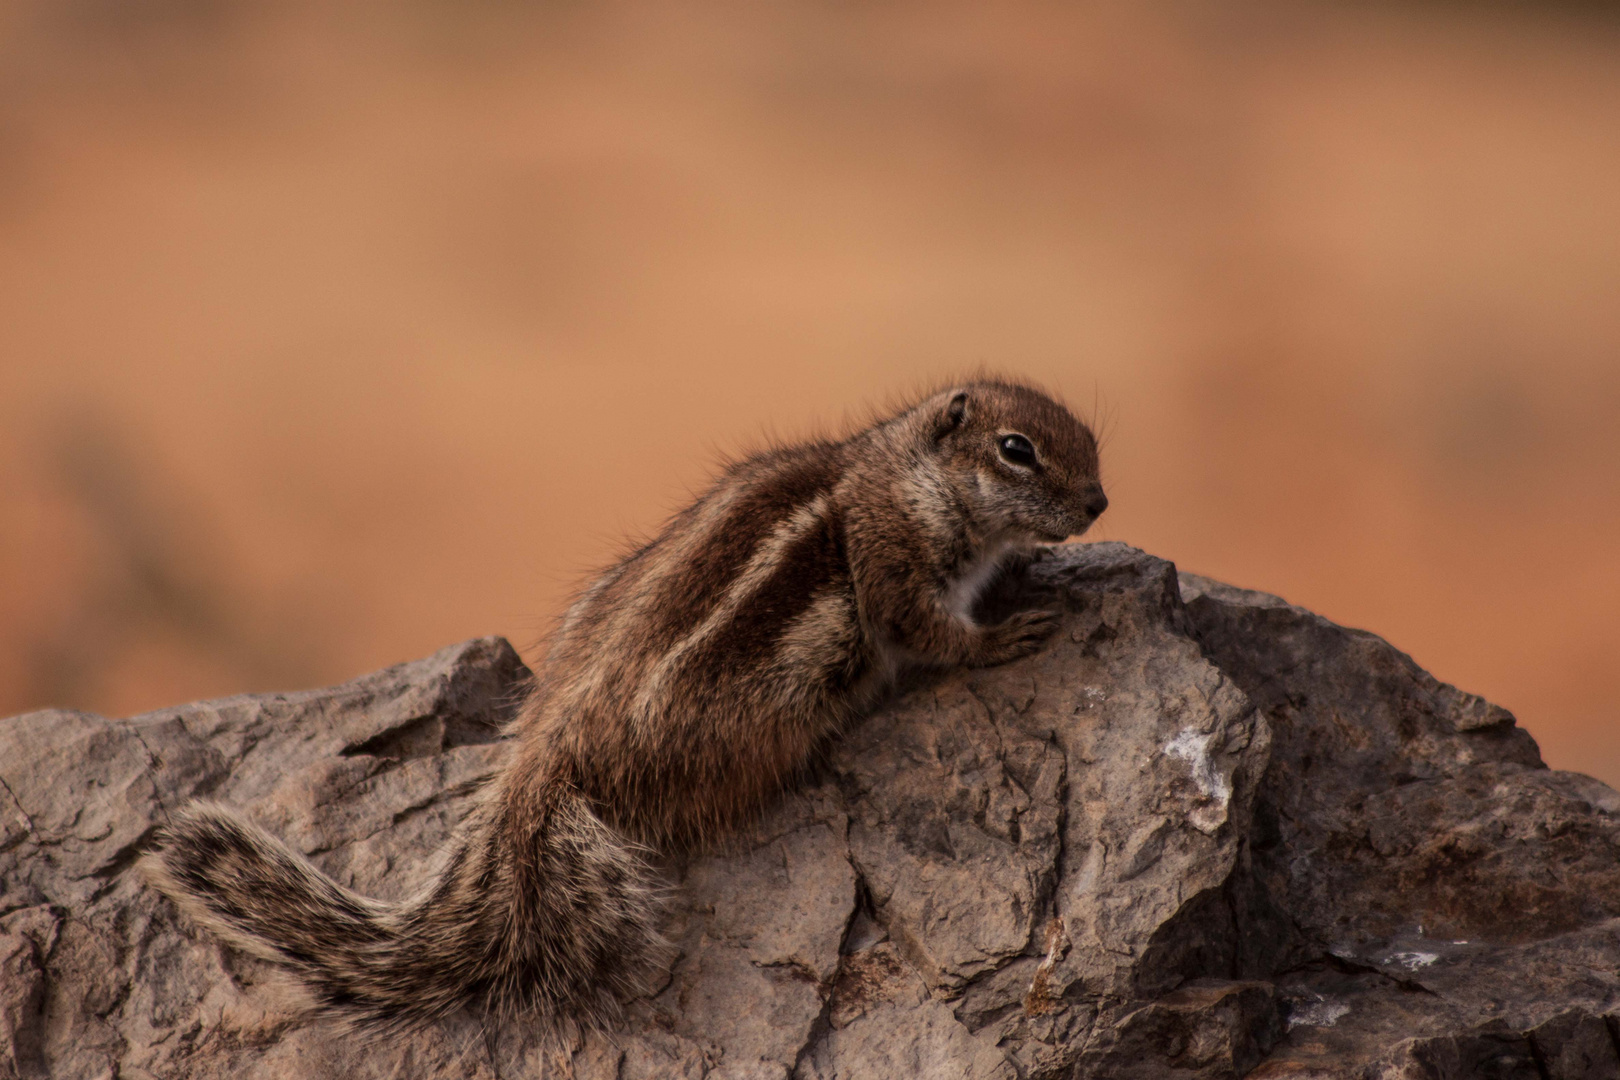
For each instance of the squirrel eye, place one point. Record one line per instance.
(1017, 450)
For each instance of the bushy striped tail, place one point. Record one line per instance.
(546, 912)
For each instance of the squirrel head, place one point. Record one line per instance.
(1023, 464)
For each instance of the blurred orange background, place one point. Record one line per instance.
(333, 334)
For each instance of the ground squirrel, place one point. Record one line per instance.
(682, 691)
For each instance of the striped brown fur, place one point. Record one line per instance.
(682, 691)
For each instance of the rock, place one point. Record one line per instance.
(1203, 834)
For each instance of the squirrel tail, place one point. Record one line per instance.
(545, 912)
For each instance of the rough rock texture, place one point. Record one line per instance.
(1203, 834)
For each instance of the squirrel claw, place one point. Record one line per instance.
(1020, 635)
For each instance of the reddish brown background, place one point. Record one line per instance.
(335, 333)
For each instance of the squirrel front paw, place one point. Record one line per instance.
(1019, 635)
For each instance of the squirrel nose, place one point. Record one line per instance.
(1096, 503)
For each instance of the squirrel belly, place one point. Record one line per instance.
(682, 692)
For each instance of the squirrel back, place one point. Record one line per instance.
(683, 690)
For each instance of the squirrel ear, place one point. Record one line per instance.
(953, 416)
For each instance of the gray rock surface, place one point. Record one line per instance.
(1202, 834)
